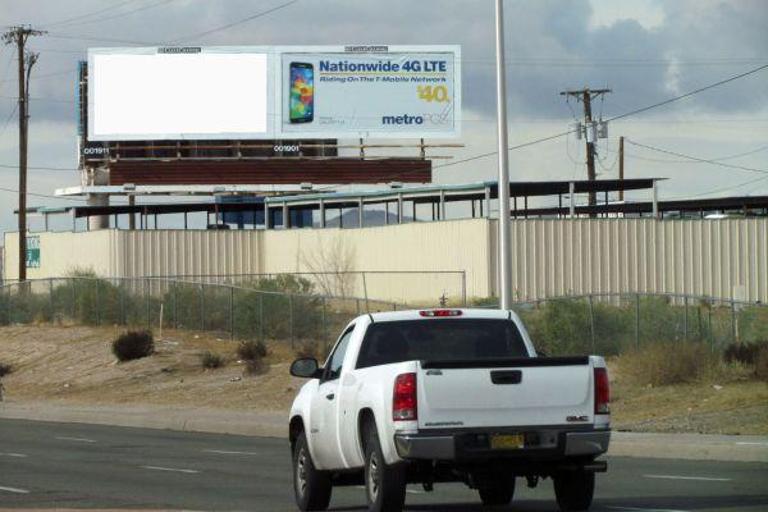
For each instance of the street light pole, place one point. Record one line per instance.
(504, 256)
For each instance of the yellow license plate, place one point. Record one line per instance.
(507, 442)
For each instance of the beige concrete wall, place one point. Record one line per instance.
(61, 253)
(719, 258)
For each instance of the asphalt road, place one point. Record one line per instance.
(71, 466)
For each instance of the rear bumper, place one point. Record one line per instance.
(552, 445)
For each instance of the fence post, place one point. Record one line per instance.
(734, 332)
(231, 313)
(637, 320)
(175, 294)
(261, 317)
(50, 298)
(290, 317)
(365, 292)
(325, 326)
(149, 306)
(685, 318)
(123, 316)
(464, 287)
(591, 322)
(98, 302)
(202, 307)
(74, 298)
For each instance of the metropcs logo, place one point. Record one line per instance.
(403, 119)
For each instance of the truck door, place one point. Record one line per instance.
(324, 409)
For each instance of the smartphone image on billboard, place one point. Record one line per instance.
(301, 102)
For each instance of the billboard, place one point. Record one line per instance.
(194, 93)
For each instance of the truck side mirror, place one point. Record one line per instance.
(306, 368)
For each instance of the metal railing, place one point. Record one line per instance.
(610, 324)
(277, 309)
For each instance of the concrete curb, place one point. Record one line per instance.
(274, 424)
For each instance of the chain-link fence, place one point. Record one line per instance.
(610, 324)
(277, 309)
(423, 287)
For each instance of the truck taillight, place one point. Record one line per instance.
(436, 313)
(602, 392)
(404, 406)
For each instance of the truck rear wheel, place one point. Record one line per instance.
(384, 484)
(574, 490)
(500, 493)
(311, 487)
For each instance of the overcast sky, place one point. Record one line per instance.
(644, 50)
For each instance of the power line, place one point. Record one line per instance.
(235, 23)
(88, 15)
(697, 159)
(9, 166)
(122, 14)
(688, 94)
(723, 189)
(49, 196)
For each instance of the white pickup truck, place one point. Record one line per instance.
(446, 395)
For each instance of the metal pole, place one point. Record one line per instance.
(464, 287)
(290, 317)
(637, 320)
(685, 318)
(733, 321)
(50, 298)
(592, 323)
(231, 313)
(261, 317)
(98, 302)
(505, 264)
(202, 307)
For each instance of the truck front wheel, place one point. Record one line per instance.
(384, 484)
(311, 487)
(574, 490)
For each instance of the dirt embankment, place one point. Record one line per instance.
(75, 365)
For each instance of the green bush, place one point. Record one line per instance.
(744, 353)
(211, 360)
(5, 369)
(133, 345)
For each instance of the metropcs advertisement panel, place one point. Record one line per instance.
(254, 92)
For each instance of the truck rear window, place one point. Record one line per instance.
(443, 340)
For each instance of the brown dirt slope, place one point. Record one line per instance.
(74, 365)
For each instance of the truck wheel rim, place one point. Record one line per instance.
(373, 477)
(301, 472)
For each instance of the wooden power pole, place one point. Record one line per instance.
(586, 96)
(19, 36)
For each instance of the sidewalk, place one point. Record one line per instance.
(274, 424)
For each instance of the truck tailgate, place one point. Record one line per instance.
(514, 392)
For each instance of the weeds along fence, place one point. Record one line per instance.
(610, 324)
(392, 285)
(283, 308)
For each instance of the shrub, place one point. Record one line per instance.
(761, 363)
(252, 350)
(211, 360)
(744, 353)
(307, 349)
(133, 345)
(666, 363)
(5, 369)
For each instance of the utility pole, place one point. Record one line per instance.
(505, 256)
(585, 96)
(19, 36)
(621, 167)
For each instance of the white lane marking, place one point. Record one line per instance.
(637, 509)
(679, 477)
(414, 491)
(177, 470)
(230, 452)
(14, 490)
(746, 443)
(77, 439)
(18, 455)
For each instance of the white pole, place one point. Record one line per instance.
(505, 263)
